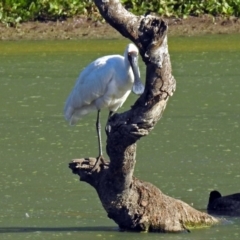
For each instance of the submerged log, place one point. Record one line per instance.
(139, 206)
(134, 204)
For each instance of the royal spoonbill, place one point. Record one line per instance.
(104, 83)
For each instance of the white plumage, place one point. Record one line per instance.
(105, 83)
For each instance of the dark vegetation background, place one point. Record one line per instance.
(78, 19)
(13, 12)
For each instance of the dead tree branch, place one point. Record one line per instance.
(130, 202)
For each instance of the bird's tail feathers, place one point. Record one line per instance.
(74, 120)
(74, 115)
(70, 116)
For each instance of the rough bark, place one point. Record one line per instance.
(130, 202)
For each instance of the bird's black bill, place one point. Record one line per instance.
(138, 87)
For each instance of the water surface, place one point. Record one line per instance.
(194, 149)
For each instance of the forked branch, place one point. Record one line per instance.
(130, 202)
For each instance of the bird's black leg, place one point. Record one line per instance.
(100, 156)
(110, 114)
(98, 127)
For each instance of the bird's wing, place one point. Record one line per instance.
(92, 83)
(235, 197)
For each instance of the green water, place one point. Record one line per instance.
(194, 149)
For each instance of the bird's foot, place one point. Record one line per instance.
(99, 162)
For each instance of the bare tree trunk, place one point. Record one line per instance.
(130, 202)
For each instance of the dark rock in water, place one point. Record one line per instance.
(224, 205)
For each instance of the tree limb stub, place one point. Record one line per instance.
(130, 202)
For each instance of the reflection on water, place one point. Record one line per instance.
(192, 150)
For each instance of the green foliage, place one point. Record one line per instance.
(184, 8)
(14, 11)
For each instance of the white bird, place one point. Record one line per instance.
(104, 83)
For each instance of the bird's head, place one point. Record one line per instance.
(214, 195)
(132, 54)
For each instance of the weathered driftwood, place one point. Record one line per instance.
(130, 202)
